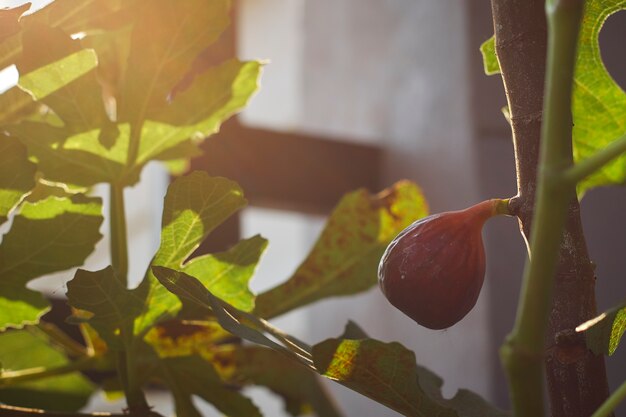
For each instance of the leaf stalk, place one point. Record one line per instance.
(588, 166)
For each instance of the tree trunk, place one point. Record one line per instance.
(577, 383)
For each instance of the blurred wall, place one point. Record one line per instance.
(395, 73)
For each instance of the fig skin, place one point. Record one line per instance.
(434, 269)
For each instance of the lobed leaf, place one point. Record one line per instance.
(113, 307)
(17, 175)
(46, 236)
(191, 375)
(9, 20)
(62, 76)
(603, 333)
(30, 348)
(299, 388)
(16, 105)
(164, 43)
(68, 15)
(598, 103)
(345, 257)
(194, 206)
(388, 373)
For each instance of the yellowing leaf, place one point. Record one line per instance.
(345, 257)
(388, 373)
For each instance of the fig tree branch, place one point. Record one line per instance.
(576, 386)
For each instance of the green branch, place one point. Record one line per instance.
(135, 397)
(522, 353)
(596, 161)
(119, 245)
(612, 402)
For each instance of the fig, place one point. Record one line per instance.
(434, 269)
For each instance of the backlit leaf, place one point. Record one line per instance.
(299, 388)
(9, 20)
(194, 205)
(68, 15)
(214, 96)
(345, 257)
(17, 175)
(79, 159)
(16, 105)
(191, 375)
(603, 333)
(62, 75)
(164, 44)
(113, 306)
(388, 373)
(46, 236)
(194, 295)
(490, 60)
(227, 274)
(31, 348)
(598, 103)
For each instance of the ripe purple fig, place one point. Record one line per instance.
(434, 269)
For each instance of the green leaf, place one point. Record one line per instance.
(68, 16)
(387, 373)
(62, 76)
(164, 43)
(214, 96)
(345, 257)
(227, 274)
(192, 375)
(599, 104)
(81, 158)
(16, 105)
(9, 20)
(17, 175)
(31, 348)
(490, 60)
(194, 295)
(194, 206)
(114, 307)
(603, 333)
(299, 388)
(46, 236)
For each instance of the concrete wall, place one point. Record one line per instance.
(395, 73)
